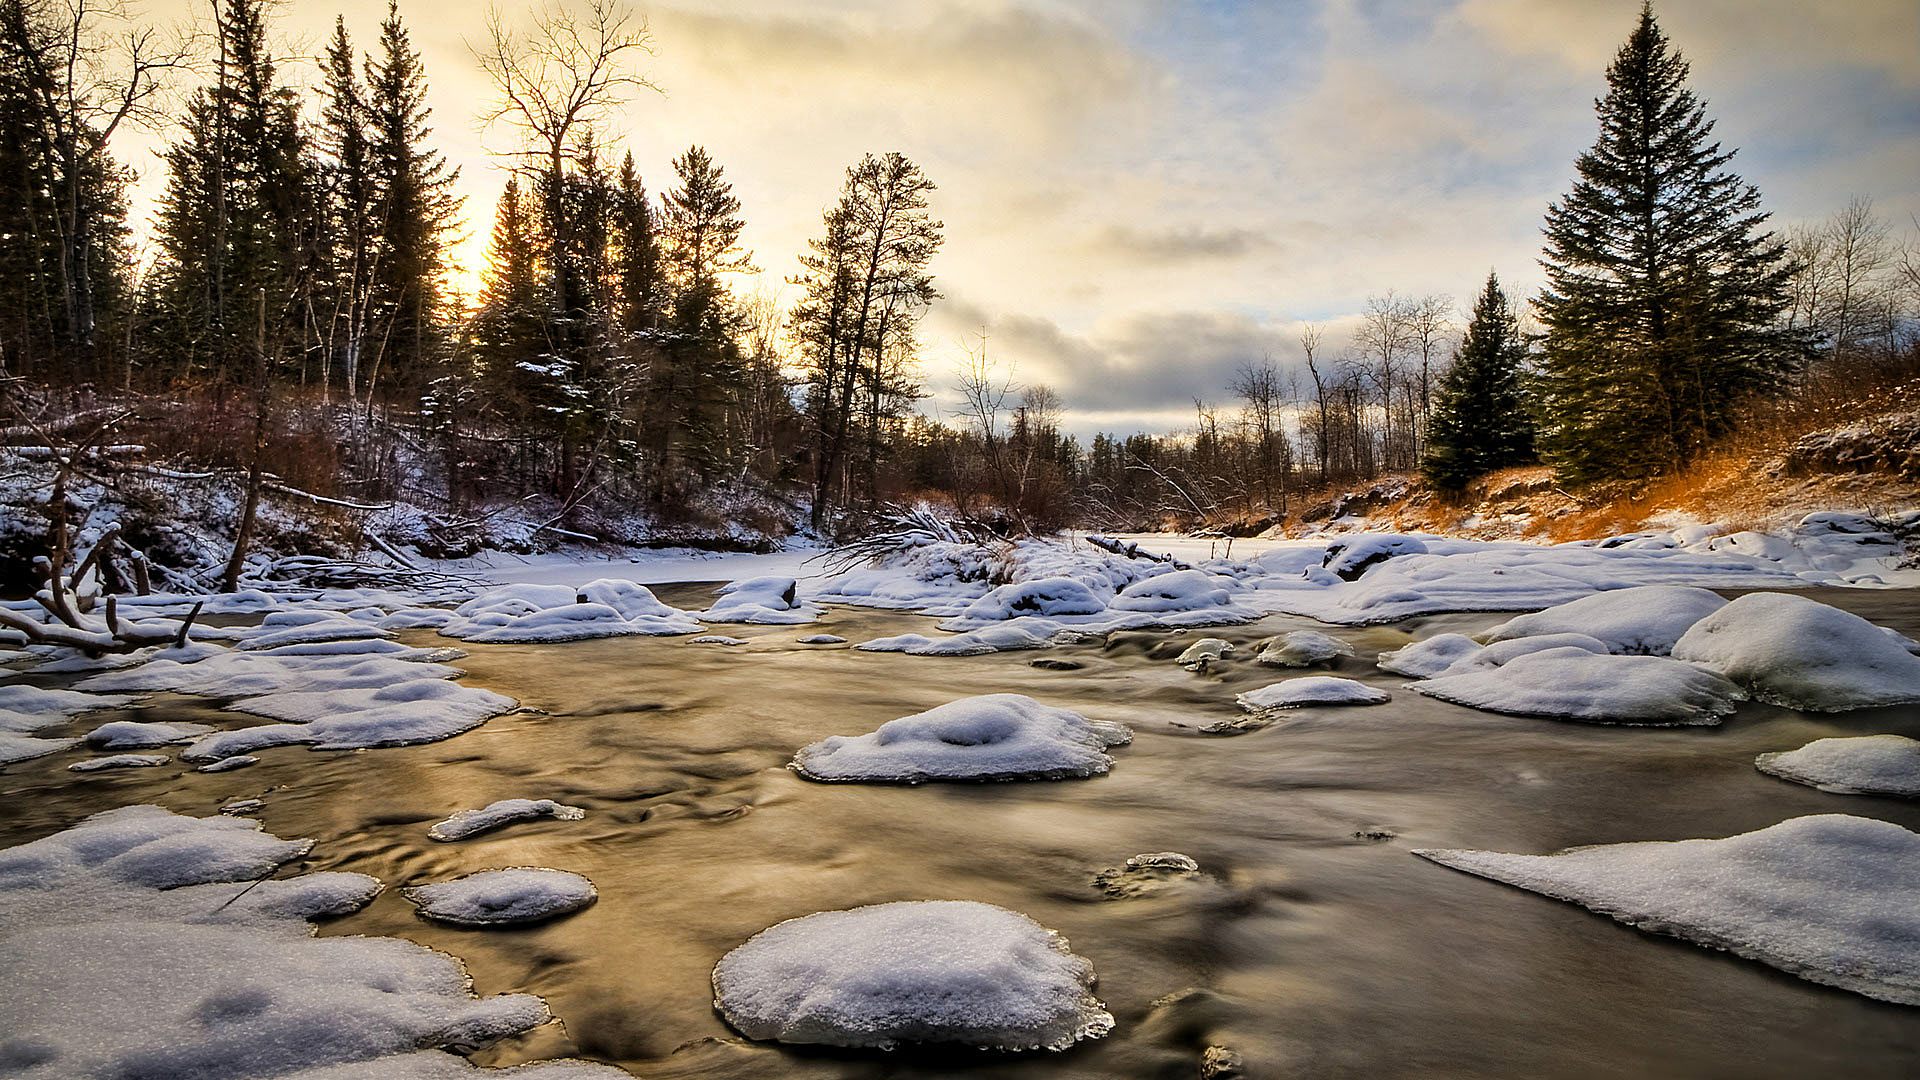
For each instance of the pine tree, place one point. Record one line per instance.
(1662, 293)
(413, 190)
(508, 329)
(343, 136)
(640, 287)
(1480, 421)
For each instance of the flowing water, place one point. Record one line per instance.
(1315, 946)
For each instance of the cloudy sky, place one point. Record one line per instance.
(1140, 196)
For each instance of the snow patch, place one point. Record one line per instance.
(992, 737)
(1572, 683)
(495, 815)
(1800, 653)
(1858, 765)
(517, 895)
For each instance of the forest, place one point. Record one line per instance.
(292, 322)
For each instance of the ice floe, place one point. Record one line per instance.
(146, 943)
(1312, 690)
(118, 761)
(510, 897)
(503, 812)
(926, 971)
(1645, 619)
(1800, 653)
(992, 737)
(1828, 898)
(1856, 765)
(1303, 648)
(821, 639)
(1573, 683)
(134, 735)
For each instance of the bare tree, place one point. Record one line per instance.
(1859, 250)
(984, 391)
(1259, 387)
(1310, 345)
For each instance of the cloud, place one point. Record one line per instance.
(1182, 244)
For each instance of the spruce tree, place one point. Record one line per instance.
(349, 263)
(1480, 421)
(1663, 291)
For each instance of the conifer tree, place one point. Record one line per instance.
(1480, 421)
(343, 136)
(640, 287)
(1662, 291)
(413, 190)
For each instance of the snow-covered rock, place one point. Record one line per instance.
(1800, 653)
(400, 714)
(1828, 898)
(118, 761)
(762, 600)
(1312, 690)
(992, 737)
(1572, 683)
(145, 943)
(504, 812)
(1052, 597)
(821, 639)
(1351, 556)
(25, 747)
(517, 895)
(1428, 657)
(134, 735)
(1204, 653)
(1303, 648)
(1503, 652)
(524, 614)
(1645, 619)
(1179, 590)
(929, 971)
(1857, 765)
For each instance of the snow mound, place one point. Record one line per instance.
(143, 943)
(822, 639)
(1646, 619)
(1024, 633)
(1204, 653)
(717, 639)
(528, 614)
(245, 674)
(1429, 656)
(1859, 765)
(494, 815)
(284, 628)
(926, 971)
(1800, 653)
(1180, 590)
(1828, 898)
(763, 600)
(15, 748)
(521, 894)
(992, 737)
(119, 761)
(1350, 557)
(29, 708)
(1572, 683)
(1303, 648)
(400, 714)
(1054, 596)
(1503, 652)
(228, 764)
(134, 735)
(1312, 690)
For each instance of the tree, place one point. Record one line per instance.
(1663, 294)
(1480, 421)
(1258, 386)
(343, 136)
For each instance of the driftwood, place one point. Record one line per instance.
(1127, 549)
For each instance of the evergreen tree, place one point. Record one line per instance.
(1662, 291)
(1480, 421)
(343, 136)
(640, 287)
(509, 328)
(413, 189)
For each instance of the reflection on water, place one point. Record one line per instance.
(1314, 945)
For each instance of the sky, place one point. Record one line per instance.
(1141, 196)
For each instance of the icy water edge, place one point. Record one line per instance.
(1316, 945)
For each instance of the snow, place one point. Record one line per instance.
(497, 814)
(1646, 619)
(765, 600)
(1204, 653)
(1859, 765)
(1572, 683)
(1023, 633)
(1502, 652)
(118, 761)
(280, 628)
(1054, 596)
(228, 764)
(1312, 690)
(1428, 657)
(991, 737)
(15, 747)
(30, 708)
(1181, 590)
(143, 943)
(822, 639)
(717, 639)
(928, 971)
(1349, 557)
(1303, 648)
(517, 895)
(604, 607)
(247, 674)
(134, 735)
(1828, 898)
(1800, 653)
(400, 714)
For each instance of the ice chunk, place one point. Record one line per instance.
(1575, 684)
(1303, 648)
(520, 894)
(1204, 653)
(134, 735)
(1144, 875)
(497, 814)
(1429, 656)
(1828, 898)
(1800, 653)
(1860, 765)
(1647, 619)
(119, 761)
(764, 600)
(926, 971)
(1312, 690)
(992, 737)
